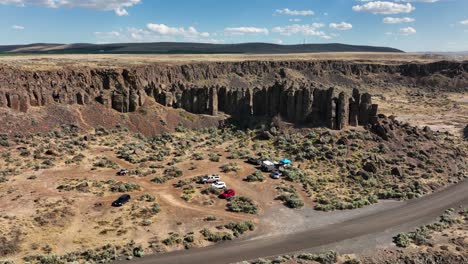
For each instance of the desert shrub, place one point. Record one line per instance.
(293, 175)
(210, 218)
(211, 190)
(188, 192)
(257, 176)
(147, 197)
(242, 204)
(50, 259)
(189, 237)
(352, 261)
(124, 187)
(173, 239)
(104, 162)
(241, 227)
(215, 237)
(214, 157)
(181, 183)
(180, 128)
(323, 258)
(138, 252)
(159, 179)
(291, 200)
(402, 240)
(173, 172)
(230, 167)
(197, 156)
(146, 222)
(10, 246)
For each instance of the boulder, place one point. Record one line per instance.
(396, 171)
(370, 167)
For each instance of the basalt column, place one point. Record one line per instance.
(354, 103)
(213, 101)
(342, 111)
(364, 109)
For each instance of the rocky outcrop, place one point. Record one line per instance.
(297, 104)
(241, 89)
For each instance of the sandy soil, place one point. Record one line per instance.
(445, 112)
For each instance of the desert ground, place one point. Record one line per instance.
(58, 174)
(38, 61)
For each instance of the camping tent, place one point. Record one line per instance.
(285, 162)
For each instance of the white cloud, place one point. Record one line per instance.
(17, 27)
(238, 31)
(118, 6)
(295, 20)
(464, 22)
(287, 11)
(164, 30)
(111, 34)
(341, 26)
(279, 41)
(398, 20)
(384, 7)
(420, 1)
(407, 31)
(157, 33)
(307, 30)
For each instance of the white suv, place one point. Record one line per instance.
(219, 185)
(211, 178)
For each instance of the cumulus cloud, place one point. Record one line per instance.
(245, 30)
(156, 33)
(407, 31)
(384, 7)
(420, 1)
(17, 27)
(341, 26)
(307, 30)
(118, 6)
(287, 11)
(111, 34)
(464, 22)
(295, 20)
(164, 30)
(398, 20)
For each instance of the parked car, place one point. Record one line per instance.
(210, 178)
(219, 185)
(254, 161)
(268, 166)
(276, 174)
(122, 172)
(121, 201)
(228, 194)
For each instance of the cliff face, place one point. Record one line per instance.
(295, 104)
(242, 89)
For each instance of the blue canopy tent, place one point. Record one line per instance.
(285, 162)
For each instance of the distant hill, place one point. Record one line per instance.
(186, 48)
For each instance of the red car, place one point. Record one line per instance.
(228, 193)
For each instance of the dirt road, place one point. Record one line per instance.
(408, 216)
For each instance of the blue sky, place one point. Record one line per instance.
(411, 25)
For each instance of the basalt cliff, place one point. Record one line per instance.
(331, 94)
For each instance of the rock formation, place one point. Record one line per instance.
(209, 88)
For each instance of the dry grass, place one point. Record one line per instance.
(46, 62)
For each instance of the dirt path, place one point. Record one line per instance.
(178, 203)
(370, 227)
